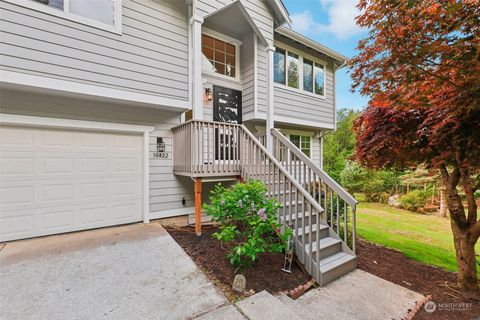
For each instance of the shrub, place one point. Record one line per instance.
(414, 199)
(248, 222)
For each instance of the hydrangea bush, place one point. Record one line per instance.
(248, 222)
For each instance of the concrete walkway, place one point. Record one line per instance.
(129, 272)
(139, 272)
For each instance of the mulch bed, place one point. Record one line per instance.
(427, 280)
(209, 255)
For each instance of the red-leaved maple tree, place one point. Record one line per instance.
(420, 66)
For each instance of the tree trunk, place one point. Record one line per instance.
(463, 233)
(442, 212)
(465, 254)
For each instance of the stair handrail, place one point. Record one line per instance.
(287, 174)
(332, 184)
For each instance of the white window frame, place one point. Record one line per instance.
(302, 56)
(237, 43)
(116, 28)
(301, 134)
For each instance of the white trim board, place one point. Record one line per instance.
(20, 120)
(29, 80)
(171, 213)
(65, 14)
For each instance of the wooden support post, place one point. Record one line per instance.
(198, 206)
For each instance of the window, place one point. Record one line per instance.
(222, 55)
(307, 75)
(302, 142)
(104, 14)
(292, 62)
(279, 66)
(319, 79)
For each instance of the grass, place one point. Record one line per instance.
(427, 239)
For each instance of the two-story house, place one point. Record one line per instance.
(120, 111)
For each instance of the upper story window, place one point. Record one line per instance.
(297, 72)
(103, 14)
(302, 142)
(221, 54)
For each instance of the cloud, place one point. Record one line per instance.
(341, 19)
(303, 22)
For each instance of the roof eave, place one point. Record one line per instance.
(342, 60)
(283, 17)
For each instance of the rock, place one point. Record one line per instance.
(239, 283)
(394, 201)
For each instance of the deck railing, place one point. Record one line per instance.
(336, 201)
(204, 148)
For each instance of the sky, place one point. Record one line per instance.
(331, 23)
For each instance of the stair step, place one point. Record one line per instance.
(299, 216)
(336, 265)
(293, 203)
(300, 231)
(280, 193)
(299, 309)
(328, 246)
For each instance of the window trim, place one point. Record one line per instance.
(302, 134)
(302, 56)
(116, 28)
(237, 43)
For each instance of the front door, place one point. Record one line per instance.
(227, 107)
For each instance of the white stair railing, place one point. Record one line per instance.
(257, 163)
(336, 201)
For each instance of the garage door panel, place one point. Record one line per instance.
(57, 192)
(16, 194)
(54, 181)
(16, 165)
(55, 165)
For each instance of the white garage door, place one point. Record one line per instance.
(59, 180)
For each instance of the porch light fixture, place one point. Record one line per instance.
(207, 95)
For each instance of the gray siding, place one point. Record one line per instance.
(150, 56)
(305, 107)
(247, 58)
(262, 84)
(166, 189)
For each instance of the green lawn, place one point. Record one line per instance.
(427, 239)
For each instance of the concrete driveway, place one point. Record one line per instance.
(130, 272)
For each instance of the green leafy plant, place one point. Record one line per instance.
(414, 199)
(248, 222)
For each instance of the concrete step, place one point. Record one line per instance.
(299, 309)
(328, 246)
(264, 306)
(336, 265)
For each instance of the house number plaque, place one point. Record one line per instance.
(160, 153)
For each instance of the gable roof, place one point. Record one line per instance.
(240, 7)
(281, 13)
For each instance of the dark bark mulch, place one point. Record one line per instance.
(427, 280)
(209, 255)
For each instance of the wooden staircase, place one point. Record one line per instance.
(321, 233)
